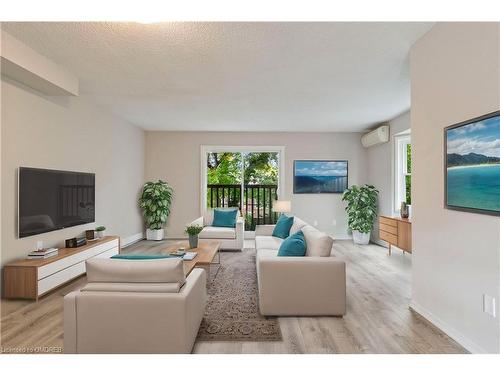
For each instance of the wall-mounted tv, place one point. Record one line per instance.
(49, 200)
(472, 165)
(319, 176)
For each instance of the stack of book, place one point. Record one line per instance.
(43, 254)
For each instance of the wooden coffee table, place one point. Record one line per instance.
(206, 250)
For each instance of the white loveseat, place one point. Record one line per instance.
(135, 306)
(314, 284)
(229, 238)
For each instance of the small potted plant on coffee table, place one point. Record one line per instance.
(99, 231)
(193, 231)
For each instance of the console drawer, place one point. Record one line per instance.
(388, 228)
(391, 238)
(388, 221)
(66, 262)
(58, 278)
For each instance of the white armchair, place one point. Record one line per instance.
(135, 306)
(229, 238)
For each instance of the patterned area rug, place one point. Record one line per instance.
(232, 312)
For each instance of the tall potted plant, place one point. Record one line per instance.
(361, 211)
(155, 201)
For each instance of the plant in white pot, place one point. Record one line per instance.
(155, 202)
(361, 211)
(99, 231)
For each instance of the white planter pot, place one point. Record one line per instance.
(155, 234)
(360, 238)
(99, 234)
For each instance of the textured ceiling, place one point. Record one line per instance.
(236, 76)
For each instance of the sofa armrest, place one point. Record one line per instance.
(69, 323)
(195, 292)
(264, 230)
(301, 285)
(198, 221)
(240, 232)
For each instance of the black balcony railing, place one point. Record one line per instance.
(255, 205)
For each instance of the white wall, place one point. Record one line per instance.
(455, 75)
(175, 157)
(380, 161)
(68, 133)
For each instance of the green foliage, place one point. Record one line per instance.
(361, 207)
(224, 168)
(408, 158)
(100, 229)
(408, 189)
(249, 222)
(155, 202)
(261, 168)
(193, 230)
(408, 176)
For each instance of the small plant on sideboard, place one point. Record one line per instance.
(100, 231)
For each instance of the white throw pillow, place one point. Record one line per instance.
(297, 225)
(319, 244)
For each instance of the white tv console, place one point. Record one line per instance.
(32, 278)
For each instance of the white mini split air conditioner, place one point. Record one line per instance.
(375, 137)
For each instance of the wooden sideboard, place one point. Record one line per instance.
(32, 278)
(395, 231)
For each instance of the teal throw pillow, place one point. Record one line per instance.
(293, 246)
(282, 228)
(225, 218)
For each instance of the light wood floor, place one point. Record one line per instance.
(378, 319)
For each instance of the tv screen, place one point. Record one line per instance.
(472, 165)
(51, 200)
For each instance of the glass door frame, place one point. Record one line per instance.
(206, 149)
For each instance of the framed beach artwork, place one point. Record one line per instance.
(319, 176)
(472, 165)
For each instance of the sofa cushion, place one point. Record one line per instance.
(297, 225)
(225, 218)
(293, 246)
(267, 242)
(319, 244)
(218, 233)
(282, 227)
(133, 287)
(267, 253)
(169, 270)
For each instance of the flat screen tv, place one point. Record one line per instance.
(50, 200)
(472, 165)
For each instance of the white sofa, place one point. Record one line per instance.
(135, 306)
(314, 284)
(229, 238)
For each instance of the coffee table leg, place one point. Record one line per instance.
(218, 263)
(207, 270)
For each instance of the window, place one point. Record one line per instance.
(402, 171)
(244, 177)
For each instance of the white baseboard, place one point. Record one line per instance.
(449, 330)
(127, 241)
(380, 243)
(344, 237)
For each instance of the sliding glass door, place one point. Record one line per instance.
(247, 180)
